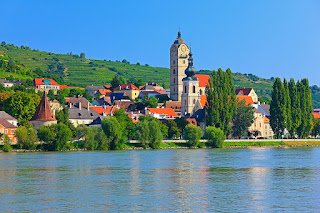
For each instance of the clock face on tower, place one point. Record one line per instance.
(183, 48)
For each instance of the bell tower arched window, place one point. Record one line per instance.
(174, 71)
(185, 89)
(194, 89)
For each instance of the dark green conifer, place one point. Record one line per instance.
(288, 105)
(295, 107)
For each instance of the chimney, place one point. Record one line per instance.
(70, 104)
(80, 105)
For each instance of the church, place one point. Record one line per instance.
(186, 86)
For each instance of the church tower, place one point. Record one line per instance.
(178, 63)
(190, 94)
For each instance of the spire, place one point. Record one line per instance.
(43, 111)
(190, 71)
(179, 33)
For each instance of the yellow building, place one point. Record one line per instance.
(261, 124)
(129, 90)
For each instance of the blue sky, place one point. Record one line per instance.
(265, 38)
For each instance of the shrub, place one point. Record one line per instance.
(215, 136)
(7, 144)
(193, 134)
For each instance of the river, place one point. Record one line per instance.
(192, 180)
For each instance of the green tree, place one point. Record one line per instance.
(6, 144)
(173, 130)
(295, 107)
(113, 131)
(51, 95)
(102, 139)
(215, 136)
(306, 125)
(115, 82)
(90, 141)
(316, 128)
(242, 119)
(193, 134)
(82, 55)
(151, 102)
(45, 134)
(62, 137)
(221, 100)
(139, 83)
(288, 105)
(278, 108)
(181, 124)
(27, 137)
(126, 123)
(155, 134)
(143, 132)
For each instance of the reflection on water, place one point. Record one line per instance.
(227, 180)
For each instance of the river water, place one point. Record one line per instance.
(193, 180)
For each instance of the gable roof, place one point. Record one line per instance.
(106, 109)
(43, 111)
(6, 124)
(63, 86)
(246, 98)
(203, 100)
(128, 86)
(4, 115)
(199, 115)
(76, 100)
(244, 91)
(163, 111)
(104, 91)
(123, 104)
(83, 113)
(203, 80)
(44, 81)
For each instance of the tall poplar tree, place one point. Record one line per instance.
(306, 108)
(278, 108)
(295, 107)
(221, 100)
(288, 105)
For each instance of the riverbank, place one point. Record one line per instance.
(203, 144)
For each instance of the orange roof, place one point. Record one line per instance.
(39, 81)
(316, 115)
(266, 120)
(107, 86)
(63, 86)
(248, 99)
(163, 111)
(203, 100)
(203, 80)
(127, 87)
(107, 110)
(160, 91)
(104, 91)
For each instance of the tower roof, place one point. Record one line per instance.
(179, 40)
(43, 111)
(190, 71)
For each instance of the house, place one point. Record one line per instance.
(247, 92)
(74, 100)
(103, 92)
(8, 84)
(153, 93)
(81, 114)
(55, 105)
(105, 111)
(151, 87)
(316, 115)
(261, 122)
(119, 97)
(248, 99)
(200, 117)
(175, 105)
(92, 90)
(129, 90)
(43, 114)
(45, 84)
(8, 126)
(161, 113)
(126, 105)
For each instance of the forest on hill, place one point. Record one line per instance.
(77, 70)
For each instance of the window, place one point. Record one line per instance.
(174, 71)
(194, 101)
(185, 102)
(200, 92)
(174, 80)
(184, 61)
(6, 131)
(12, 131)
(185, 89)
(174, 62)
(194, 89)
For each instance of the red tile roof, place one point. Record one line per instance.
(107, 110)
(244, 91)
(160, 91)
(43, 111)
(39, 81)
(127, 87)
(203, 100)
(316, 115)
(6, 124)
(107, 86)
(105, 91)
(63, 86)
(192, 121)
(266, 120)
(248, 99)
(163, 111)
(203, 80)
(123, 104)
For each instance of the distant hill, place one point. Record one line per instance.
(71, 69)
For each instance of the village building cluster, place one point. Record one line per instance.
(186, 98)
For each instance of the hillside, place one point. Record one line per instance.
(74, 70)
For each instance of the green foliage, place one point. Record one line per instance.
(63, 135)
(127, 126)
(113, 131)
(151, 102)
(27, 137)
(221, 100)
(215, 136)
(306, 125)
(143, 132)
(295, 107)
(6, 144)
(163, 127)
(316, 127)
(155, 134)
(287, 101)
(115, 82)
(82, 55)
(21, 105)
(90, 141)
(193, 134)
(45, 134)
(62, 116)
(102, 139)
(173, 130)
(181, 124)
(278, 109)
(242, 119)
(148, 132)
(51, 95)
